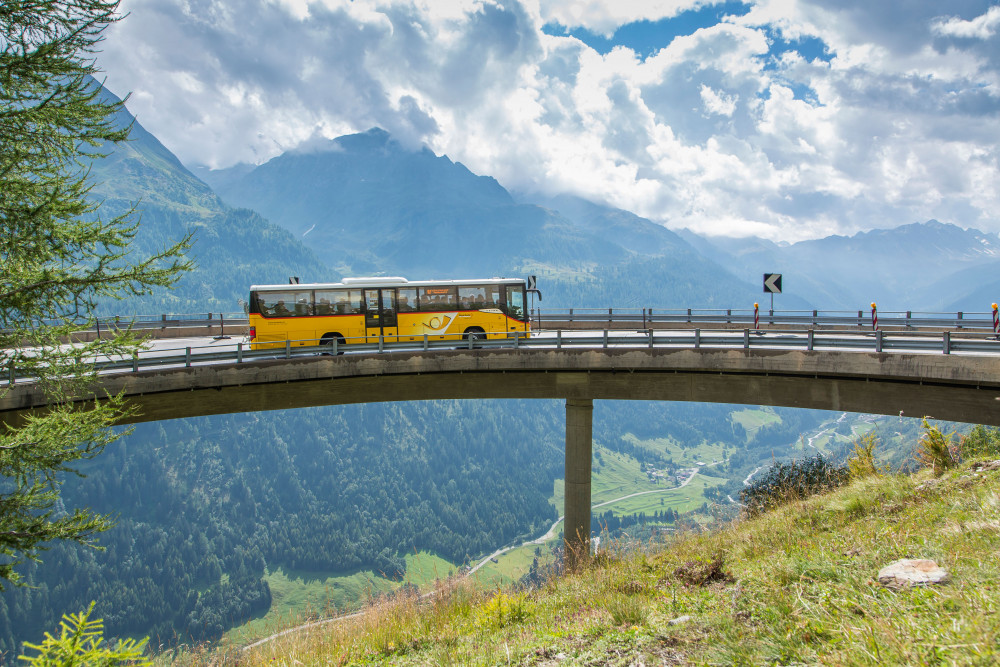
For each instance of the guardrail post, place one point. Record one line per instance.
(517, 340)
(163, 319)
(860, 319)
(13, 375)
(650, 338)
(746, 339)
(135, 362)
(643, 318)
(570, 314)
(908, 315)
(946, 342)
(697, 338)
(605, 339)
(878, 340)
(288, 349)
(381, 342)
(770, 316)
(187, 357)
(558, 339)
(97, 323)
(426, 343)
(610, 314)
(239, 351)
(729, 315)
(815, 315)
(812, 339)
(689, 316)
(959, 323)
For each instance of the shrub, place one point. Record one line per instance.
(861, 462)
(501, 610)
(785, 482)
(935, 450)
(80, 643)
(983, 442)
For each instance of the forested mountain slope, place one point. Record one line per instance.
(233, 248)
(205, 505)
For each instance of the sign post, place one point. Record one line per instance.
(772, 286)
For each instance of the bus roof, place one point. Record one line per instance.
(380, 281)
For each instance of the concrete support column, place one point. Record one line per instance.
(579, 452)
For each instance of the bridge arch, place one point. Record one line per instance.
(955, 387)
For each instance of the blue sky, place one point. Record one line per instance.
(786, 119)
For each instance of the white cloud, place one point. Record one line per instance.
(723, 105)
(603, 17)
(981, 27)
(723, 128)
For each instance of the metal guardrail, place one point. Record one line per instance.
(240, 352)
(746, 317)
(642, 317)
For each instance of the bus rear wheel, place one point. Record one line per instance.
(327, 341)
(474, 335)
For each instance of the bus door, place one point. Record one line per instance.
(380, 314)
(515, 308)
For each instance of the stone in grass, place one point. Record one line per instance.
(912, 572)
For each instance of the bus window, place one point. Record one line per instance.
(471, 298)
(349, 302)
(438, 298)
(303, 303)
(326, 302)
(407, 299)
(493, 298)
(285, 304)
(515, 302)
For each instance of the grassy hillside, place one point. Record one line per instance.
(796, 585)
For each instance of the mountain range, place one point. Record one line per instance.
(367, 205)
(210, 509)
(928, 266)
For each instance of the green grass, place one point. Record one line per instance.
(298, 597)
(512, 565)
(681, 500)
(682, 456)
(751, 420)
(794, 586)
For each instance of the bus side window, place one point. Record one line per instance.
(493, 298)
(355, 304)
(438, 298)
(407, 300)
(324, 303)
(471, 298)
(277, 304)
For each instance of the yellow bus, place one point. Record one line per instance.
(359, 310)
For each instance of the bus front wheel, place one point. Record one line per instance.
(474, 335)
(328, 339)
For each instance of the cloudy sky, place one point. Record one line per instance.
(787, 119)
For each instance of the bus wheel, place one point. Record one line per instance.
(327, 341)
(474, 335)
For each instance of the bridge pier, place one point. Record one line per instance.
(579, 453)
